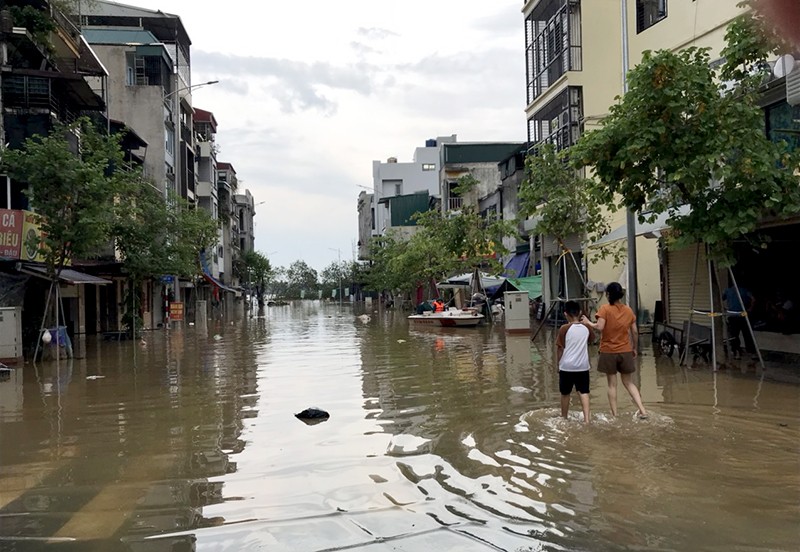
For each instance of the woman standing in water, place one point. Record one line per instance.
(619, 338)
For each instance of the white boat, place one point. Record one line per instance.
(450, 318)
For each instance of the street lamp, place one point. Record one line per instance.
(339, 271)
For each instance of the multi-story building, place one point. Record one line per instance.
(403, 189)
(245, 211)
(43, 84)
(141, 78)
(156, 61)
(497, 168)
(574, 70)
(227, 188)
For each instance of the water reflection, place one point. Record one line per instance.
(437, 439)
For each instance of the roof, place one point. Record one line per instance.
(480, 152)
(165, 26)
(119, 35)
(67, 275)
(221, 166)
(203, 116)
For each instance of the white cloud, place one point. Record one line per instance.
(310, 94)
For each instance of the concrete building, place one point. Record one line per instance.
(227, 250)
(498, 168)
(402, 189)
(43, 84)
(140, 78)
(574, 61)
(245, 211)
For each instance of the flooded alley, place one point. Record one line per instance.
(440, 439)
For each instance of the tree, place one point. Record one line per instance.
(71, 187)
(441, 246)
(562, 200)
(678, 138)
(155, 237)
(301, 279)
(258, 273)
(336, 275)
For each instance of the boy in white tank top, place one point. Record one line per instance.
(572, 355)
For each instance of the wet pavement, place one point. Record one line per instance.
(442, 439)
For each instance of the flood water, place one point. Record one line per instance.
(437, 440)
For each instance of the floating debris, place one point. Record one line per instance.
(312, 415)
(94, 377)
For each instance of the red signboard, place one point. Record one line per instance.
(10, 233)
(175, 311)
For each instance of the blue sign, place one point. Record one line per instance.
(168, 279)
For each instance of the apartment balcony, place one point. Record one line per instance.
(206, 189)
(552, 44)
(560, 122)
(455, 203)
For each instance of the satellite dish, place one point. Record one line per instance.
(783, 65)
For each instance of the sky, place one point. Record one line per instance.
(310, 93)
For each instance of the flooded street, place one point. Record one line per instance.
(437, 440)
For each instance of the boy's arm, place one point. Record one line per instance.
(592, 337)
(635, 339)
(561, 342)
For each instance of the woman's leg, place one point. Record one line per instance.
(612, 392)
(627, 381)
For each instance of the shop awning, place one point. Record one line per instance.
(531, 284)
(647, 229)
(207, 274)
(217, 283)
(517, 267)
(487, 282)
(67, 275)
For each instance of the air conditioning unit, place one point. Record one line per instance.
(170, 172)
(793, 88)
(564, 118)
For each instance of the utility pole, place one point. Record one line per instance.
(630, 215)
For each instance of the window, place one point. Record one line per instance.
(220, 252)
(552, 44)
(392, 188)
(170, 142)
(428, 167)
(649, 12)
(559, 122)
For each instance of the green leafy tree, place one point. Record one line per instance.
(155, 237)
(258, 273)
(337, 275)
(440, 247)
(677, 138)
(71, 187)
(301, 278)
(278, 286)
(562, 200)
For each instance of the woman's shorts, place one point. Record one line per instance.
(578, 380)
(611, 363)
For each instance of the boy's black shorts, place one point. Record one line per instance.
(568, 380)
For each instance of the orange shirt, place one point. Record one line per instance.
(615, 337)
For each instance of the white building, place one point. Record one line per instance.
(400, 191)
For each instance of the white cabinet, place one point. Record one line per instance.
(10, 334)
(517, 314)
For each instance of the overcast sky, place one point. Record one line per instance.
(311, 93)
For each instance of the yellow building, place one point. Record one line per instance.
(575, 55)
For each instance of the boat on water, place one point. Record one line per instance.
(449, 318)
